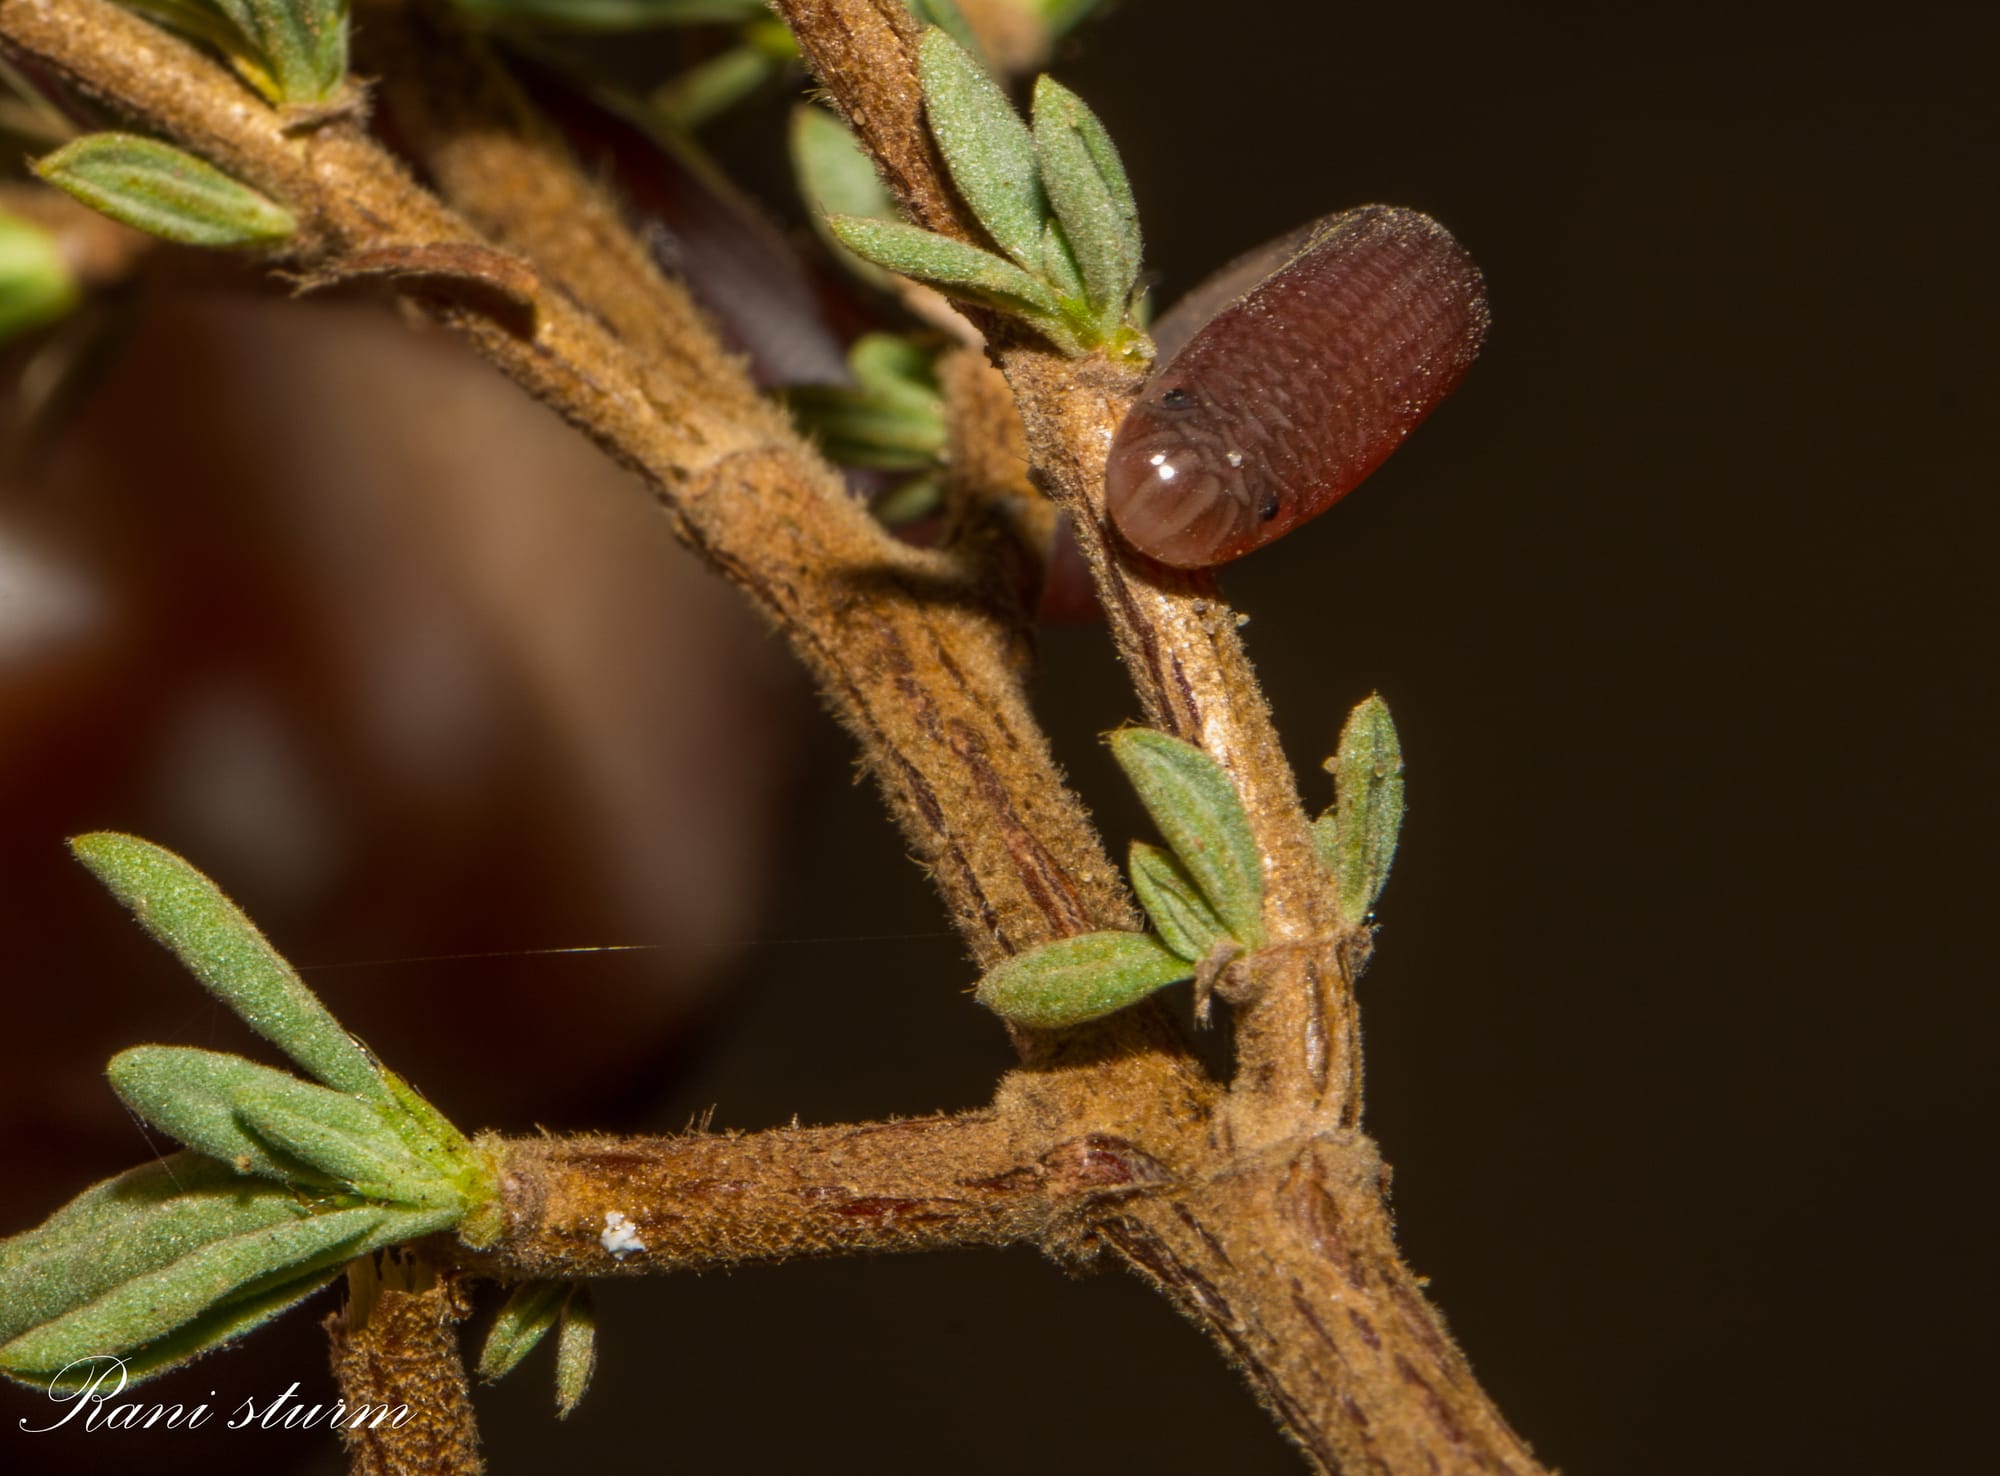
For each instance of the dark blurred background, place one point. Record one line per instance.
(1676, 1030)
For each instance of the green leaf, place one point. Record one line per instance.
(893, 368)
(1357, 838)
(609, 15)
(986, 146)
(1059, 264)
(1086, 183)
(958, 270)
(835, 173)
(576, 1349)
(223, 949)
(891, 417)
(359, 1150)
(1180, 914)
(300, 45)
(1082, 978)
(191, 1095)
(836, 177)
(155, 187)
(127, 1315)
(1197, 809)
(36, 285)
(205, 21)
(525, 1319)
(172, 1259)
(127, 1227)
(855, 428)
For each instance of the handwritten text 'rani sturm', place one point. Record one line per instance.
(90, 1407)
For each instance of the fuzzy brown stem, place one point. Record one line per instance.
(864, 53)
(1235, 1253)
(926, 1183)
(1177, 636)
(1288, 1259)
(395, 1346)
(916, 669)
(894, 637)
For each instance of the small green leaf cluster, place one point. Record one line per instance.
(157, 188)
(891, 418)
(1052, 196)
(1356, 838)
(525, 1319)
(36, 284)
(1204, 894)
(286, 1180)
(292, 51)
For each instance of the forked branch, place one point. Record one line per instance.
(1258, 1210)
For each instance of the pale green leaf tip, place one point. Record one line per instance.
(165, 191)
(1358, 837)
(524, 1320)
(213, 938)
(576, 1349)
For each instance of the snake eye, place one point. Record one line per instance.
(1176, 399)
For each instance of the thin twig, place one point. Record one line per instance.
(705, 1200)
(1265, 1220)
(900, 648)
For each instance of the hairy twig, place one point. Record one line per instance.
(1281, 1246)
(708, 1199)
(1260, 1212)
(898, 645)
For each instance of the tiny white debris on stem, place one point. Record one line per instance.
(620, 1238)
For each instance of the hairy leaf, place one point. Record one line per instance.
(170, 1260)
(1357, 838)
(576, 1349)
(126, 1227)
(947, 17)
(359, 1150)
(958, 269)
(191, 1095)
(155, 187)
(1086, 183)
(986, 146)
(223, 948)
(1179, 912)
(890, 418)
(525, 1319)
(1077, 979)
(301, 45)
(1199, 812)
